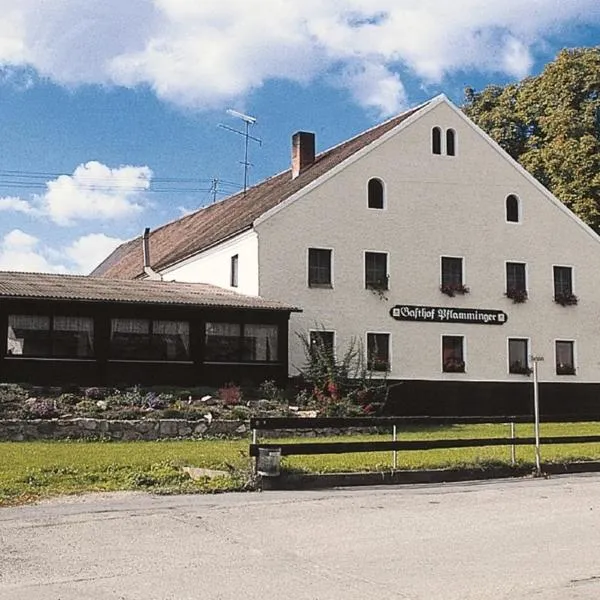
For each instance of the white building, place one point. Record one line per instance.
(474, 264)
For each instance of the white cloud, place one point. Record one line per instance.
(93, 192)
(89, 251)
(14, 204)
(20, 251)
(204, 54)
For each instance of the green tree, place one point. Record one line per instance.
(550, 123)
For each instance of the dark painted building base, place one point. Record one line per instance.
(465, 398)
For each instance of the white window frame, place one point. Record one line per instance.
(521, 262)
(572, 278)
(390, 345)
(519, 337)
(464, 349)
(317, 286)
(575, 357)
(463, 268)
(384, 186)
(387, 264)
(519, 210)
(323, 330)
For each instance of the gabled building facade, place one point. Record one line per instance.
(425, 241)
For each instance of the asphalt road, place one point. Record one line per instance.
(517, 539)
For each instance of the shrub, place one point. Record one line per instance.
(41, 408)
(230, 394)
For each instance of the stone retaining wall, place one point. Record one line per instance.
(59, 429)
(15, 430)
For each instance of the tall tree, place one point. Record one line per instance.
(551, 124)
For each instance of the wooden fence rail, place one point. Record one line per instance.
(312, 448)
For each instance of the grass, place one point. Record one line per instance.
(33, 470)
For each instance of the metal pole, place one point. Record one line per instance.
(536, 412)
(395, 453)
(254, 438)
(513, 454)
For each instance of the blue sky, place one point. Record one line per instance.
(110, 111)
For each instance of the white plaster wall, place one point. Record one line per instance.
(436, 205)
(214, 265)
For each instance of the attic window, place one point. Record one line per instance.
(375, 193)
(512, 209)
(450, 142)
(436, 140)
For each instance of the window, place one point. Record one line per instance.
(512, 209)
(375, 193)
(452, 272)
(453, 360)
(518, 356)
(236, 342)
(378, 351)
(322, 342)
(319, 267)
(565, 358)
(50, 336)
(516, 282)
(234, 270)
(376, 271)
(450, 142)
(143, 339)
(260, 343)
(436, 140)
(563, 286)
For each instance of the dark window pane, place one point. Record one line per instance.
(375, 193)
(73, 337)
(130, 339)
(260, 343)
(319, 267)
(29, 335)
(563, 281)
(378, 351)
(170, 340)
(376, 275)
(436, 140)
(222, 342)
(518, 359)
(451, 271)
(322, 341)
(450, 142)
(565, 359)
(512, 209)
(234, 270)
(515, 277)
(452, 354)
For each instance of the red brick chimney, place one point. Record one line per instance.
(303, 151)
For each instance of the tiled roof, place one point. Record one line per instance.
(99, 289)
(206, 227)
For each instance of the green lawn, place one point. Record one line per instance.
(30, 470)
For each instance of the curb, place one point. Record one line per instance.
(298, 481)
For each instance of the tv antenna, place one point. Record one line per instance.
(248, 120)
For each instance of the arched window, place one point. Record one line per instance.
(450, 142)
(436, 140)
(375, 193)
(512, 209)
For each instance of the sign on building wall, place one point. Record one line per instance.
(443, 314)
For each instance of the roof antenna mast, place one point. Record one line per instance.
(248, 120)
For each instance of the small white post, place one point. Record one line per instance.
(395, 452)
(536, 413)
(513, 454)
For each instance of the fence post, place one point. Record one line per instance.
(513, 457)
(395, 452)
(254, 438)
